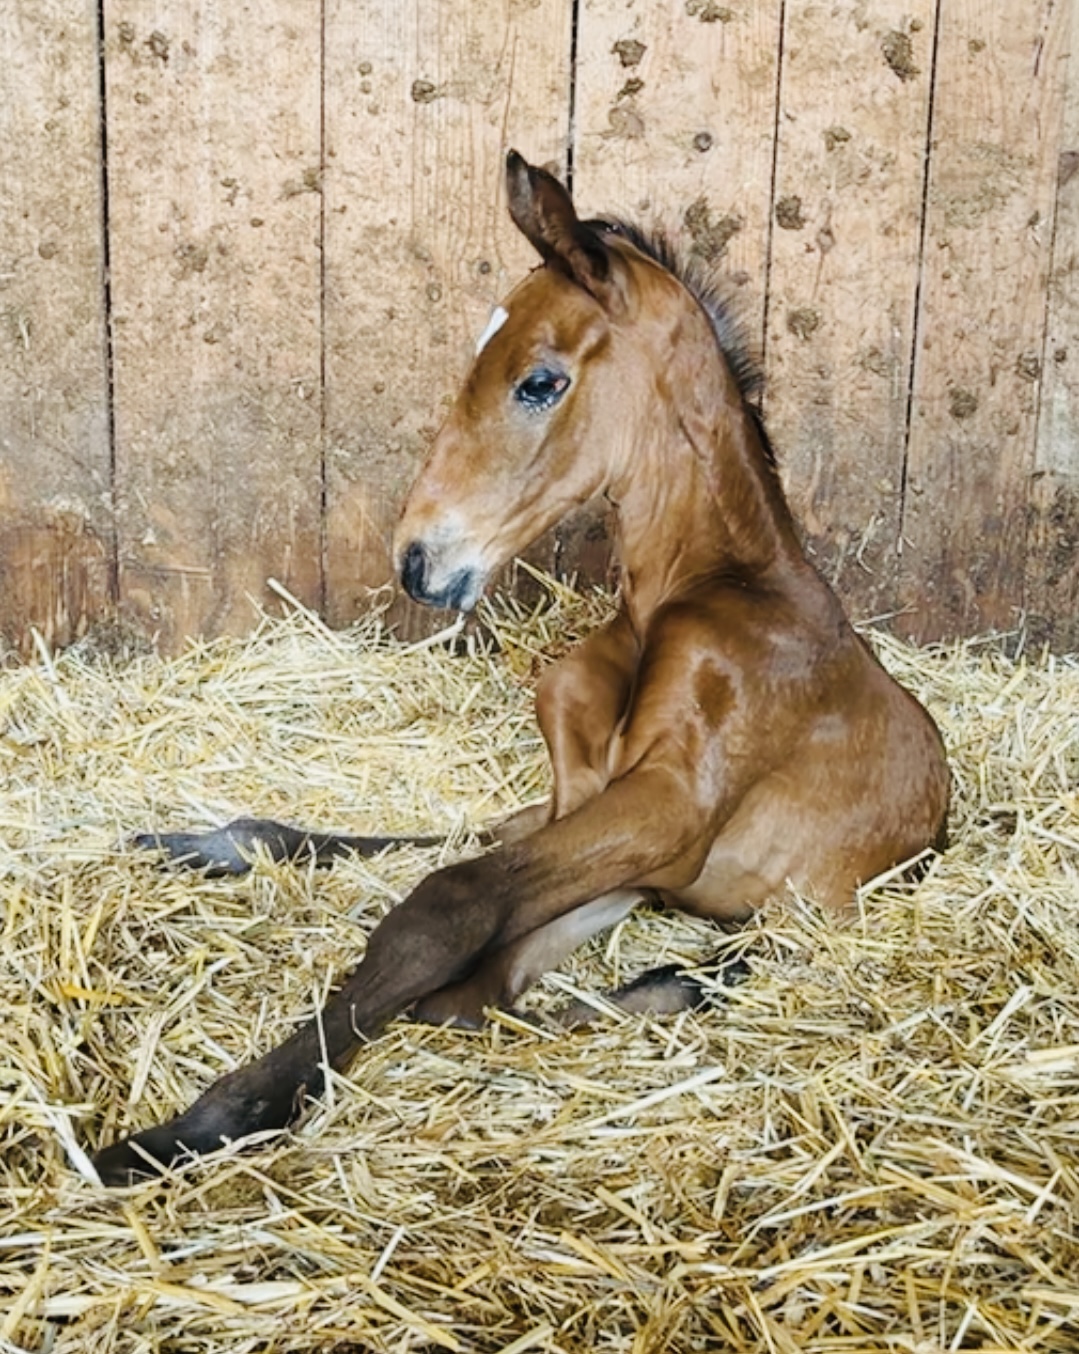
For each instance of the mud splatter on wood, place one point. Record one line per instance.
(417, 245)
(843, 279)
(57, 555)
(972, 449)
(306, 232)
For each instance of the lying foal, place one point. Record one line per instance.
(725, 737)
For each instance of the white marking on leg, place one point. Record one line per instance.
(499, 316)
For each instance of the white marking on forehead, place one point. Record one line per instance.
(499, 316)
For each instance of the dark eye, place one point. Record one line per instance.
(542, 388)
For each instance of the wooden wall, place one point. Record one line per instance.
(245, 251)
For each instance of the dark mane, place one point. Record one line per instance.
(701, 282)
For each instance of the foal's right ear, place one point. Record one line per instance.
(543, 211)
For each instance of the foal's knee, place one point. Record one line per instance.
(438, 932)
(566, 694)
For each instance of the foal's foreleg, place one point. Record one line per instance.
(230, 850)
(438, 936)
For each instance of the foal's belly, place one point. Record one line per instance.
(760, 854)
(744, 870)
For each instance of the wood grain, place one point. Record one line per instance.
(675, 119)
(992, 180)
(673, 129)
(214, 178)
(843, 279)
(56, 546)
(422, 101)
(1052, 565)
(306, 229)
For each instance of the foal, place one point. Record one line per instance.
(725, 736)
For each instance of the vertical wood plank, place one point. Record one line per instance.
(1052, 567)
(214, 176)
(843, 279)
(422, 100)
(55, 477)
(675, 122)
(992, 176)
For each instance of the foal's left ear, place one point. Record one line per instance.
(543, 211)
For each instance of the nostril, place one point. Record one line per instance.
(414, 569)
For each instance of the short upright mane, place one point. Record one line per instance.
(702, 284)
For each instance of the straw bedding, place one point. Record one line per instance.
(872, 1145)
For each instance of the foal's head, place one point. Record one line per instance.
(567, 380)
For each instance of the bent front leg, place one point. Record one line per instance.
(580, 703)
(439, 935)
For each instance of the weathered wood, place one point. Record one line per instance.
(282, 357)
(422, 101)
(214, 175)
(843, 279)
(675, 123)
(995, 135)
(56, 544)
(1052, 566)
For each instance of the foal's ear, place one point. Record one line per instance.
(543, 212)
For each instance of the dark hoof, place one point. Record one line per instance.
(143, 1156)
(212, 852)
(261, 1097)
(659, 991)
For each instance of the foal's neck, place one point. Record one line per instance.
(702, 501)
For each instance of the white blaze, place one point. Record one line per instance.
(499, 316)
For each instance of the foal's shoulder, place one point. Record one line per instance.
(757, 637)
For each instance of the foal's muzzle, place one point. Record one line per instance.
(420, 578)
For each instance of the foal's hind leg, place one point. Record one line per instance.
(658, 991)
(230, 850)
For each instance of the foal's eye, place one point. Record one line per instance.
(542, 388)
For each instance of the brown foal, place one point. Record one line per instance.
(726, 737)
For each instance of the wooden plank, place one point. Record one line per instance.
(1052, 568)
(995, 140)
(675, 122)
(55, 479)
(843, 278)
(422, 101)
(213, 170)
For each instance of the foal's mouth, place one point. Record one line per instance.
(457, 591)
